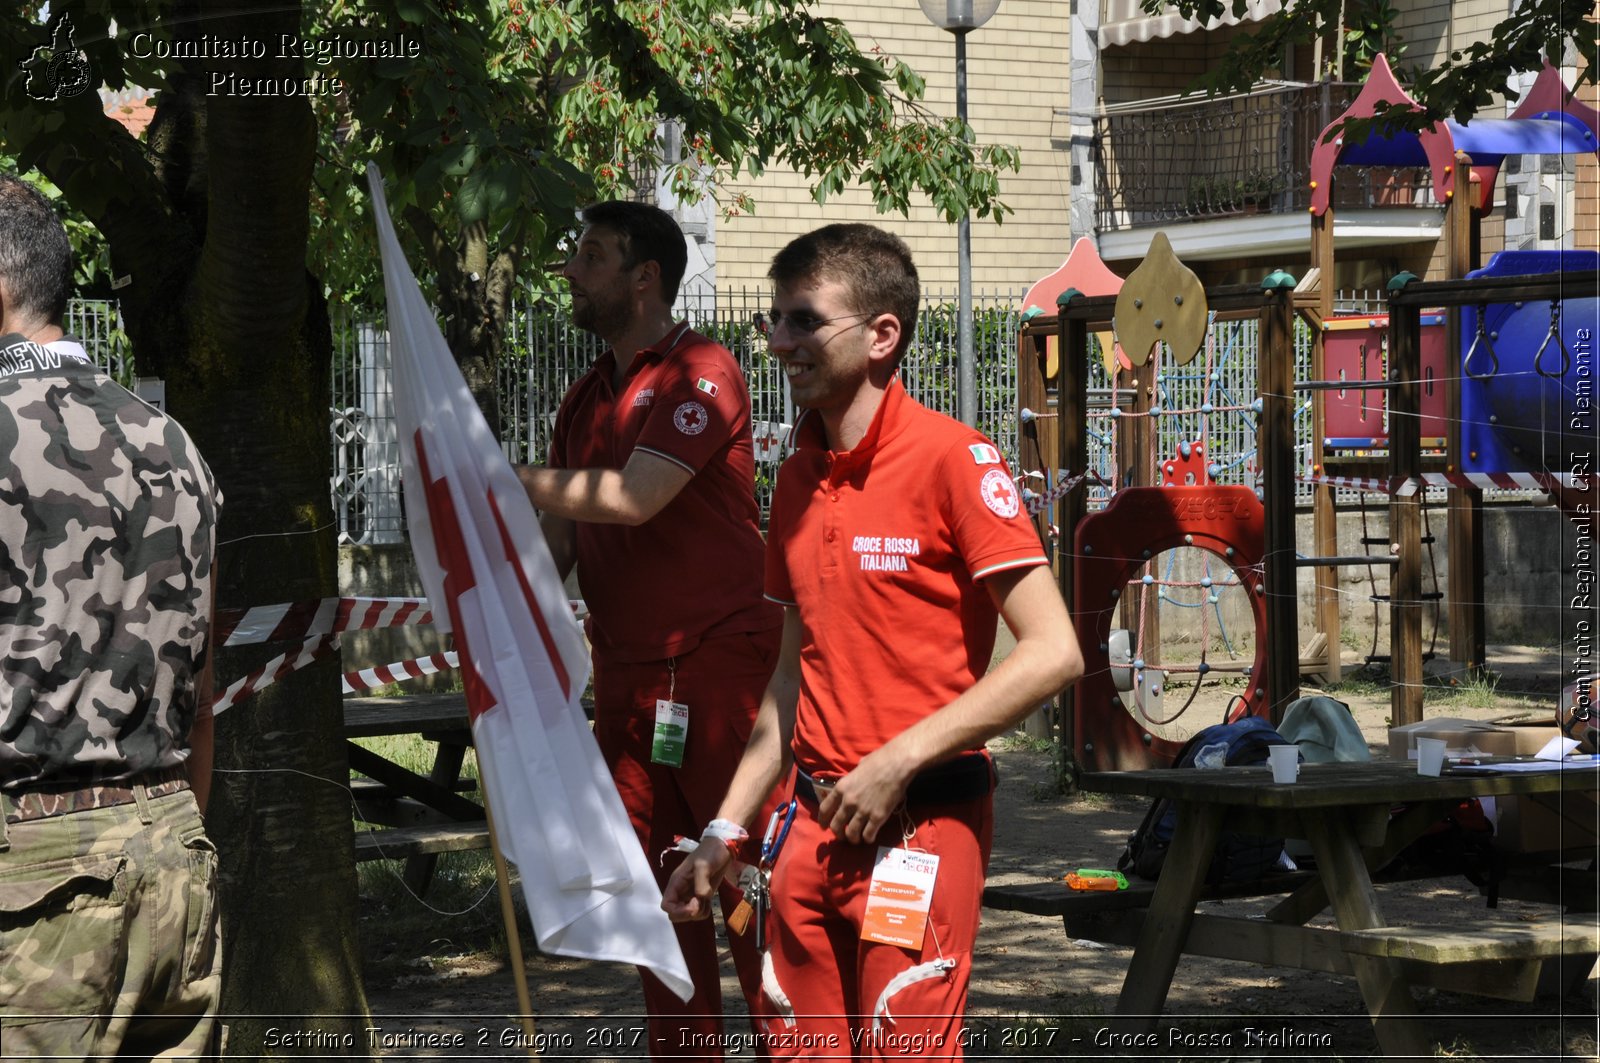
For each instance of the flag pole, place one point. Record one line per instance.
(508, 917)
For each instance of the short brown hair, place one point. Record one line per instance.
(874, 266)
(647, 234)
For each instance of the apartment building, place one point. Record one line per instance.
(1093, 93)
(1227, 179)
(1018, 73)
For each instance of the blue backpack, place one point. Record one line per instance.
(1240, 857)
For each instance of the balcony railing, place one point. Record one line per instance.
(1180, 160)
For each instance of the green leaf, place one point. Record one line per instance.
(472, 201)
(457, 160)
(552, 193)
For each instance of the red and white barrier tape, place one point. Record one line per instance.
(1353, 483)
(316, 625)
(297, 621)
(1064, 485)
(400, 671)
(274, 670)
(1515, 481)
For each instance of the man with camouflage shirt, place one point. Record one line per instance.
(108, 929)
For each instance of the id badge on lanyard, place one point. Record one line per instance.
(672, 724)
(899, 896)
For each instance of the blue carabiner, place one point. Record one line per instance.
(770, 845)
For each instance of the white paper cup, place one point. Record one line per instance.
(1285, 761)
(1430, 756)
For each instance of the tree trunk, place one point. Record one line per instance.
(209, 224)
(243, 342)
(474, 293)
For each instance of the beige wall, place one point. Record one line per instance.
(1016, 75)
(1431, 30)
(1586, 216)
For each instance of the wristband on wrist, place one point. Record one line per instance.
(727, 832)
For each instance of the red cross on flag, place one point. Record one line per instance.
(479, 550)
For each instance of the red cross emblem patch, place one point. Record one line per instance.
(1000, 494)
(690, 418)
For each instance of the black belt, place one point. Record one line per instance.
(966, 778)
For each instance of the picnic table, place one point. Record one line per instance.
(1344, 810)
(424, 815)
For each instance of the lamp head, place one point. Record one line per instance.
(959, 16)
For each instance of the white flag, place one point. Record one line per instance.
(480, 552)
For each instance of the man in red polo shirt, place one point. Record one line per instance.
(650, 491)
(896, 539)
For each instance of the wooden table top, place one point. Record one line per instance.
(366, 717)
(1333, 785)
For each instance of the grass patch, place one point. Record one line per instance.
(1364, 682)
(1039, 792)
(1474, 691)
(414, 753)
(1351, 639)
(1025, 742)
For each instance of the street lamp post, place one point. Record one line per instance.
(961, 17)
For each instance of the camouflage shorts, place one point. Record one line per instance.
(109, 940)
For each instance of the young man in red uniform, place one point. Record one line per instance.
(650, 491)
(896, 539)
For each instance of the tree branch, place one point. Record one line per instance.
(440, 250)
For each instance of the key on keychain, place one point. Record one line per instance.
(761, 910)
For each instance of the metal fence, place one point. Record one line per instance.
(1212, 399)
(98, 323)
(545, 354)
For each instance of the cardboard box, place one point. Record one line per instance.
(1547, 823)
(1528, 824)
(1468, 738)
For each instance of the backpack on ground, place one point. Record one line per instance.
(1240, 857)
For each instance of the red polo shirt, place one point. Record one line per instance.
(881, 548)
(692, 571)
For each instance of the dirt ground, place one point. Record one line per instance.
(1026, 968)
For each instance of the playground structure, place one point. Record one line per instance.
(1464, 160)
(1513, 380)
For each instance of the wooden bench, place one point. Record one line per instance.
(1511, 960)
(1499, 939)
(423, 816)
(1113, 917)
(1056, 898)
(429, 839)
(1493, 957)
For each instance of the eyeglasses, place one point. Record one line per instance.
(802, 322)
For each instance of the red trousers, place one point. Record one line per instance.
(835, 982)
(721, 681)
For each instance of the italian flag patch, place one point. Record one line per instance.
(706, 386)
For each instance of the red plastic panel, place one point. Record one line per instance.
(1356, 348)
(1111, 547)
